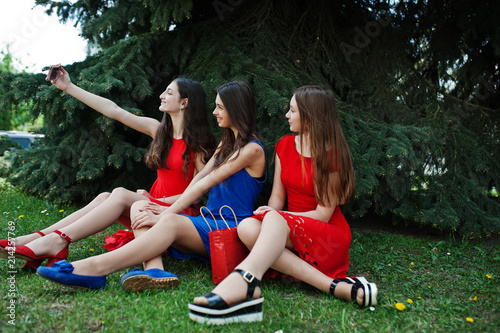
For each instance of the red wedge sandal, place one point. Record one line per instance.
(32, 260)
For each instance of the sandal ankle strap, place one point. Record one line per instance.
(39, 232)
(63, 235)
(337, 281)
(251, 280)
(333, 286)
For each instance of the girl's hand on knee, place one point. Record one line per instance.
(262, 210)
(144, 219)
(153, 208)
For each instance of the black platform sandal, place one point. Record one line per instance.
(218, 312)
(370, 290)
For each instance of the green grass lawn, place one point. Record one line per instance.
(441, 283)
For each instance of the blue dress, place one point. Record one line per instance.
(239, 192)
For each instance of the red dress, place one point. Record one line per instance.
(171, 181)
(323, 245)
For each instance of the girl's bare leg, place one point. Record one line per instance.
(23, 240)
(267, 249)
(290, 264)
(172, 229)
(287, 263)
(267, 242)
(96, 219)
(156, 262)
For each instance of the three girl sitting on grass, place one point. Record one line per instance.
(310, 241)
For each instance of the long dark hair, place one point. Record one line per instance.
(329, 149)
(239, 102)
(196, 133)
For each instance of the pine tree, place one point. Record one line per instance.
(423, 131)
(6, 115)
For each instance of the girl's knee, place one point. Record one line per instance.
(121, 195)
(101, 197)
(140, 204)
(120, 191)
(276, 223)
(273, 214)
(137, 206)
(248, 230)
(273, 217)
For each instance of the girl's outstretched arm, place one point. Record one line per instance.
(105, 106)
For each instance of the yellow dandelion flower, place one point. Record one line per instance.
(410, 301)
(429, 287)
(419, 297)
(91, 250)
(475, 298)
(489, 277)
(61, 210)
(21, 216)
(400, 306)
(412, 263)
(469, 319)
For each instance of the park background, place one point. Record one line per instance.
(417, 87)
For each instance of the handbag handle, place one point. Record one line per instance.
(201, 213)
(220, 213)
(232, 211)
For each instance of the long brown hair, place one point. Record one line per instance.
(196, 132)
(239, 102)
(329, 149)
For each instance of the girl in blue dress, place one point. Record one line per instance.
(310, 240)
(234, 176)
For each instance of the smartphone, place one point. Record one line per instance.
(53, 70)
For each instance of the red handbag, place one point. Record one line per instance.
(226, 249)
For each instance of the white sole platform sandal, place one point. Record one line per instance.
(217, 312)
